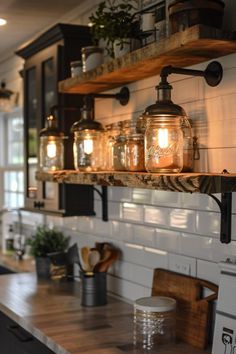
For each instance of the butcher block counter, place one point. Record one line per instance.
(51, 311)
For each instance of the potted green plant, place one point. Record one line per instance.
(116, 23)
(43, 242)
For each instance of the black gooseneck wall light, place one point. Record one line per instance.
(168, 136)
(88, 137)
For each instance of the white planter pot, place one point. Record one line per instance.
(120, 50)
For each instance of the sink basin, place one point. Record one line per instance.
(4, 270)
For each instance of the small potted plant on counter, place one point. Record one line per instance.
(44, 242)
(116, 23)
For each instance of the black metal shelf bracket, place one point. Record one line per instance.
(225, 206)
(103, 195)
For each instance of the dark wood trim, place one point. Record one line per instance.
(56, 33)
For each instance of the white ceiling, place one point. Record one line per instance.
(26, 18)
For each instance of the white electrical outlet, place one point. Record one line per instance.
(182, 264)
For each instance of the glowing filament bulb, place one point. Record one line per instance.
(51, 149)
(163, 139)
(88, 146)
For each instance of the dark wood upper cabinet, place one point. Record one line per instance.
(47, 61)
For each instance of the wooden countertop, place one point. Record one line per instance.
(18, 266)
(52, 312)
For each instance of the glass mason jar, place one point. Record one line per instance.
(119, 153)
(113, 131)
(51, 153)
(141, 124)
(134, 153)
(87, 150)
(154, 322)
(164, 144)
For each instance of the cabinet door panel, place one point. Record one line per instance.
(31, 131)
(15, 340)
(47, 61)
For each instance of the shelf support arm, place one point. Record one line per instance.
(104, 200)
(225, 206)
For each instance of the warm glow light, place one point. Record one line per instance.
(3, 22)
(51, 149)
(5, 105)
(163, 140)
(88, 146)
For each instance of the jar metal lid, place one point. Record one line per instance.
(155, 304)
(135, 136)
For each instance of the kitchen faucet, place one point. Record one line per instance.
(19, 251)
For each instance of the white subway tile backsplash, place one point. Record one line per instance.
(31, 218)
(147, 257)
(233, 227)
(70, 223)
(126, 289)
(207, 248)
(234, 202)
(132, 212)
(85, 224)
(199, 201)
(155, 258)
(141, 195)
(102, 228)
(98, 207)
(208, 223)
(167, 240)
(208, 271)
(114, 211)
(229, 250)
(122, 231)
(144, 235)
(120, 194)
(134, 273)
(165, 198)
(183, 219)
(156, 215)
(54, 221)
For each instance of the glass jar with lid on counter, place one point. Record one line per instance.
(154, 322)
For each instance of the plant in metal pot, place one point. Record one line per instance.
(43, 242)
(116, 23)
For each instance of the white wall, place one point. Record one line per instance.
(159, 229)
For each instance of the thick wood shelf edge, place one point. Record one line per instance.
(192, 46)
(182, 182)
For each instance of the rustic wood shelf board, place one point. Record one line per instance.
(192, 46)
(182, 182)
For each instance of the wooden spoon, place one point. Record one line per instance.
(111, 256)
(85, 258)
(105, 256)
(94, 257)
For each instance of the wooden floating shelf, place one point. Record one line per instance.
(192, 46)
(182, 182)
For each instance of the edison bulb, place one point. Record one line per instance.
(88, 146)
(163, 139)
(51, 149)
